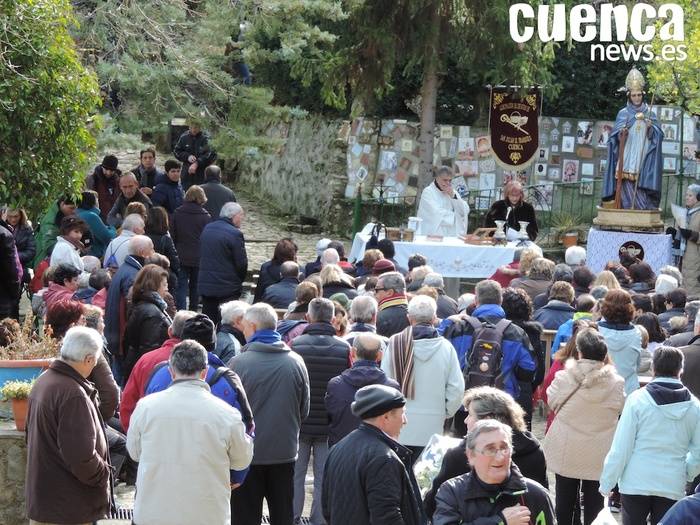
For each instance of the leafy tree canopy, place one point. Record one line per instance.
(46, 100)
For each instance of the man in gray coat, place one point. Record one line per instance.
(217, 194)
(277, 384)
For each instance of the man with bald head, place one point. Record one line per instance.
(139, 248)
(282, 293)
(130, 192)
(365, 354)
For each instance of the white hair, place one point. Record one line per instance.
(230, 209)
(363, 309)
(80, 342)
(140, 244)
(434, 280)
(232, 311)
(262, 315)
(575, 256)
(330, 256)
(422, 309)
(91, 263)
(132, 222)
(665, 283)
(465, 301)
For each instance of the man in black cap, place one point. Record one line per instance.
(105, 181)
(368, 478)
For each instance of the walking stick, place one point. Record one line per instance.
(618, 175)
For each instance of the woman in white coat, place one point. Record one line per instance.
(68, 243)
(442, 210)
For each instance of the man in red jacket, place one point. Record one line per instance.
(136, 385)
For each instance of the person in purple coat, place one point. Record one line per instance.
(366, 354)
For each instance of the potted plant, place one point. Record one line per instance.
(566, 227)
(26, 354)
(17, 392)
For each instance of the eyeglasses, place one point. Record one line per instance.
(493, 451)
(379, 289)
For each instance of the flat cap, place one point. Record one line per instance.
(375, 400)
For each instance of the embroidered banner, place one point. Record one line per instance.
(513, 126)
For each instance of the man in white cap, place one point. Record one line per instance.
(368, 478)
(315, 266)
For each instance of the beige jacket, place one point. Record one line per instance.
(691, 258)
(584, 426)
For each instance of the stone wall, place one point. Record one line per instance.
(13, 460)
(305, 175)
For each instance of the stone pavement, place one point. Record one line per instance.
(262, 226)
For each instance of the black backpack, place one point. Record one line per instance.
(483, 367)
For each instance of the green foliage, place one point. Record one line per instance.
(678, 82)
(16, 389)
(46, 100)
(159, 60)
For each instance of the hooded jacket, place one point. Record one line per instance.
(586, 421)
(469, 501)
(656, 447)
(528, 456)
(340, 394)
(624, 344)
(439, 387)
(325, 356)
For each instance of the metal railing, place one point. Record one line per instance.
(552, 202)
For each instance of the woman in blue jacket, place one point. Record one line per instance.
(656, 448)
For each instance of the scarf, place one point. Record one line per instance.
(401, 348)
(396, 299)
(266, 336)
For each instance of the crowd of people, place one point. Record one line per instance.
(212, 396)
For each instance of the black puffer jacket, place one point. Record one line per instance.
(146, 329)
(527, 455)
(325, 356)
(368, 480)
(467, 500)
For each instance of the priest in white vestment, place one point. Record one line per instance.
(442, 210)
